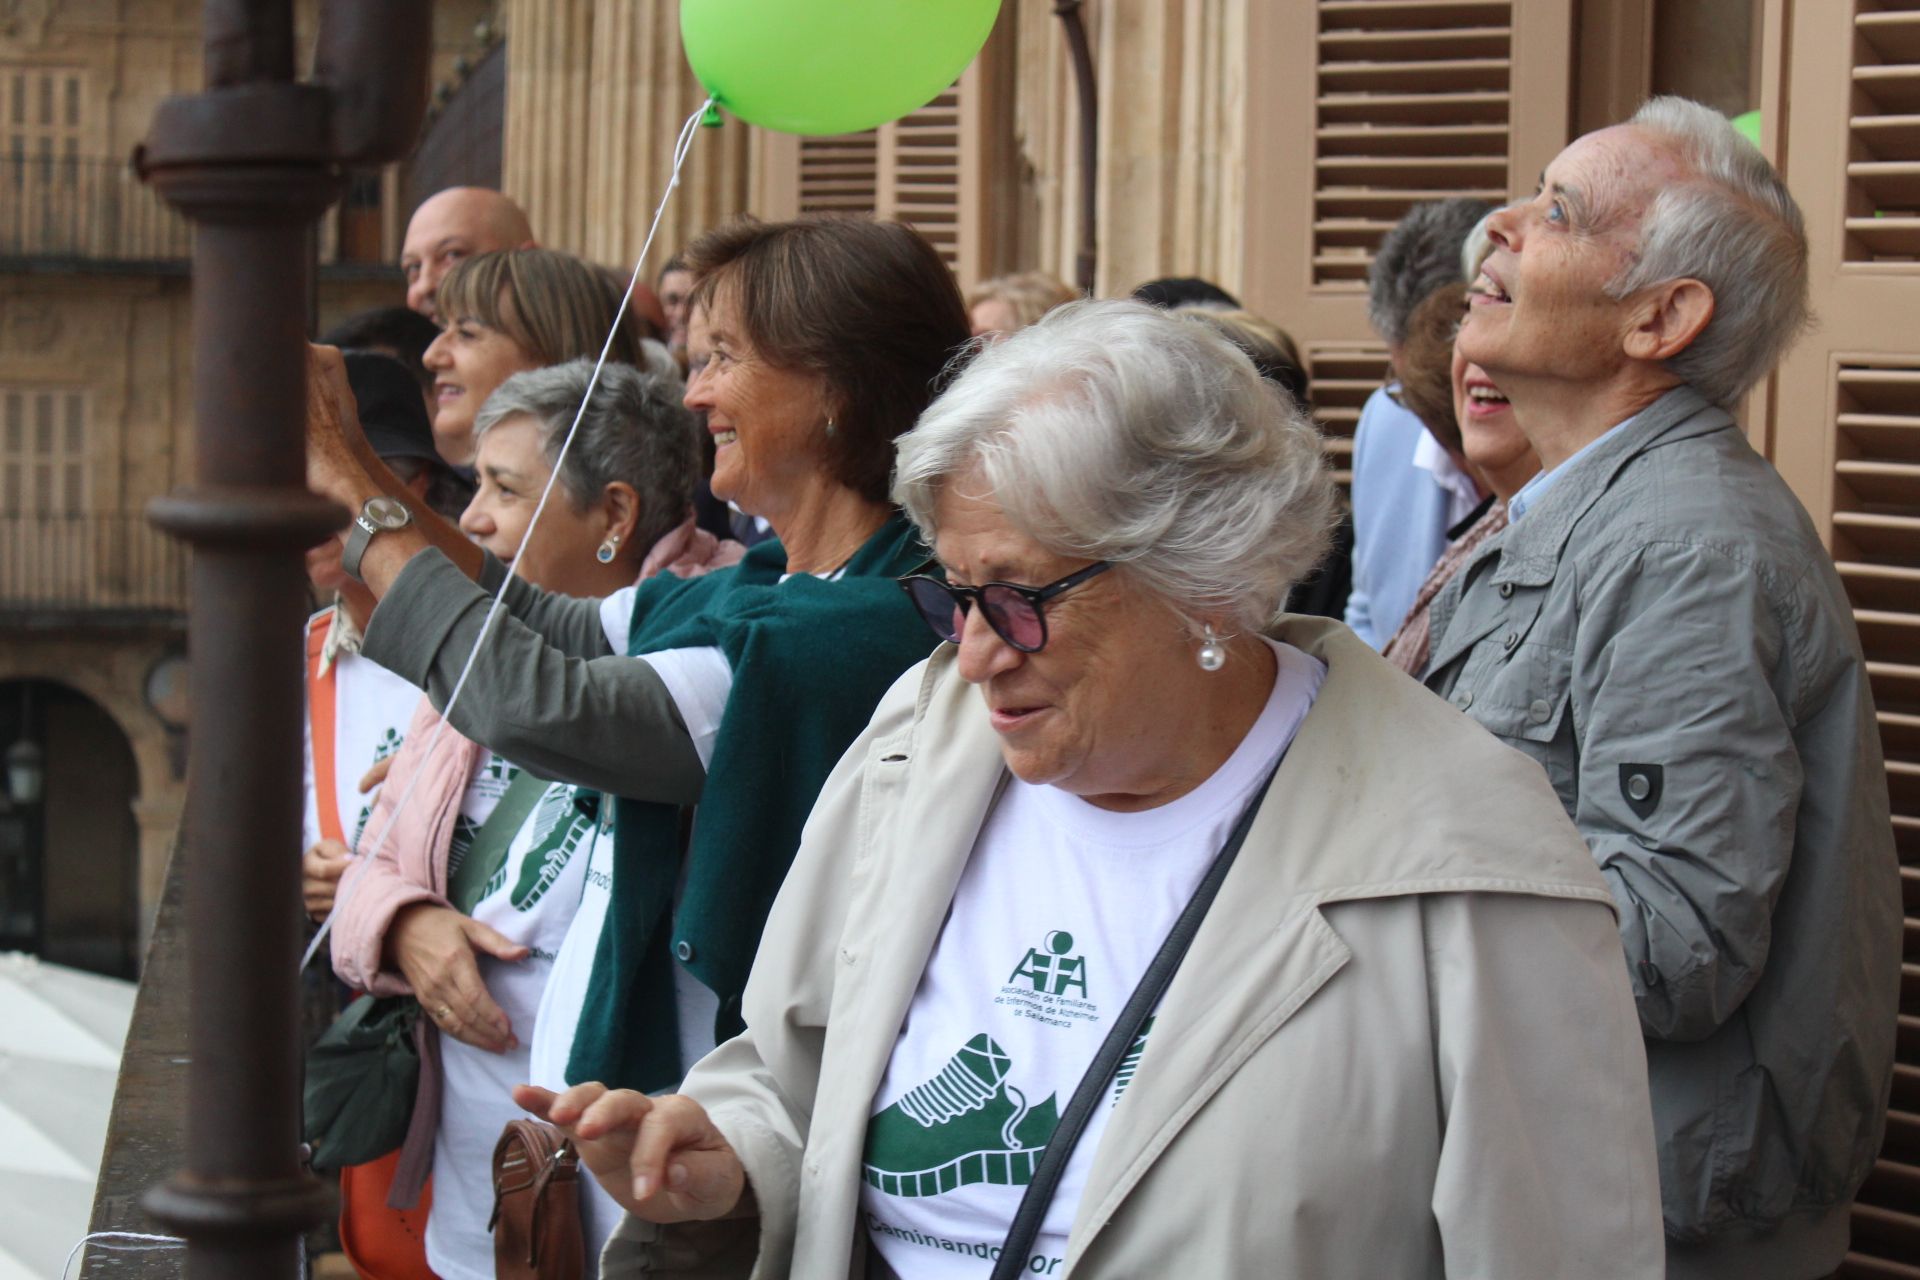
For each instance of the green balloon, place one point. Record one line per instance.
(831, 66)
(1748, 123)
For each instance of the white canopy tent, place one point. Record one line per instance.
(61, 1031)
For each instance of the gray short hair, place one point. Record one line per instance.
(1420, 254)
(635, 430)
(1116, 431)
(1736, 229)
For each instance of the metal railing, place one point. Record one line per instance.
(114, 561)
(65, 207)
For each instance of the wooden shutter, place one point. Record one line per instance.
(926, 169)
(1414, 104)
(1845, 433)
(1340, 378)
(1883, 167)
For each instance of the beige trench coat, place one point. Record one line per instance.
(1402, 1044)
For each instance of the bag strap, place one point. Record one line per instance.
(488, 851)
(322, 722)
(1027, 1219)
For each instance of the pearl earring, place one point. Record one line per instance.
(607, 549)
(1213, 654)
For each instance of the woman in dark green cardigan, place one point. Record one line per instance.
(822, 340)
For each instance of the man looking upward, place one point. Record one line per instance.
(1660, 627)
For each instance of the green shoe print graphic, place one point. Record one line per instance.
(558, 829)
(964, 1127)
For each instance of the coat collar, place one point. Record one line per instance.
(1530, 552)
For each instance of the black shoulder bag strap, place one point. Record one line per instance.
(1032, 1212)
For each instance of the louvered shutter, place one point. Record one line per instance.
(922, 169)
(1883, 169)
(1414, 104)
(1846, 435)
(837, 175)
(1340, 378)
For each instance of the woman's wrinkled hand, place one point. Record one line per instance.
(320, 870)
(434, 947)
(661, 1158)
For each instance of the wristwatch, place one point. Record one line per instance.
(379, 515)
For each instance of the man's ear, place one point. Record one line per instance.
(1668, 319)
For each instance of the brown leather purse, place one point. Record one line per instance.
(536, 1205)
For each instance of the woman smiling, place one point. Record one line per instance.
(736, 690)
(507, 312)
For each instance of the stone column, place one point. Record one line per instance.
(596, 93)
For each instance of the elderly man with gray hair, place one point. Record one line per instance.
(1662, 630)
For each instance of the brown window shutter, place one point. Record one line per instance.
(1414, 104)
(1340, 378)
(1845, 433)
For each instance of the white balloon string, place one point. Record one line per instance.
(139, 1242)
(682, 147)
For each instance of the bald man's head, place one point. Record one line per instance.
(454, 224)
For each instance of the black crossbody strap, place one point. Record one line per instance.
(1027, 1219)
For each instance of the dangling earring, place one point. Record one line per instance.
(607, 549)
(1213, 654)
(830, 430)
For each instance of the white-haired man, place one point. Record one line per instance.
(453, 224)
(1660, 627)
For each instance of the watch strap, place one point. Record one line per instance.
(359, 534)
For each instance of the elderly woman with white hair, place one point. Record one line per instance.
(1148, 931)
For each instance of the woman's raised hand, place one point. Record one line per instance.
(661, 1158)
(434, 947)
(335, 444)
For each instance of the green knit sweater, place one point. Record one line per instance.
(811, 658)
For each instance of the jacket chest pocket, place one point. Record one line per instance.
(1516, 683)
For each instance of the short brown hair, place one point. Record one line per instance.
(1426, 363)
(554, 305)
(867, 307)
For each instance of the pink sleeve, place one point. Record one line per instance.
(410, 865)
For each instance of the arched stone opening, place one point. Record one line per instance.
(70, 860)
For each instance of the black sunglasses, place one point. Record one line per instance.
(1013, 611)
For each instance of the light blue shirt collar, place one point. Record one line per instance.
(1535, 489)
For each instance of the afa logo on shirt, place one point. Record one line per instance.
(1050, 969)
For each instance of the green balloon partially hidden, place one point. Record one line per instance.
(1748, 124)
(831, 66)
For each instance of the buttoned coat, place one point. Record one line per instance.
(1664, 633)
(1402, 1043)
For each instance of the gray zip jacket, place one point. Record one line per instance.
(1665, 634)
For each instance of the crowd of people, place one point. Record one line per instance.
(952, 789)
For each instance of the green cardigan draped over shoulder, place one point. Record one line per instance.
(811, 658)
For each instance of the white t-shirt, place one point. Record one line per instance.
(372, 709)
(531, 899)
(1057, 915)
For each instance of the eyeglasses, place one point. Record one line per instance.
(1013, 611)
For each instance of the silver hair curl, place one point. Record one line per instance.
(635, 430)
(1114, 431)
(1735, 228)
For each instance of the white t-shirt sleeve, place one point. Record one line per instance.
(616, 617)
(698, 680)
